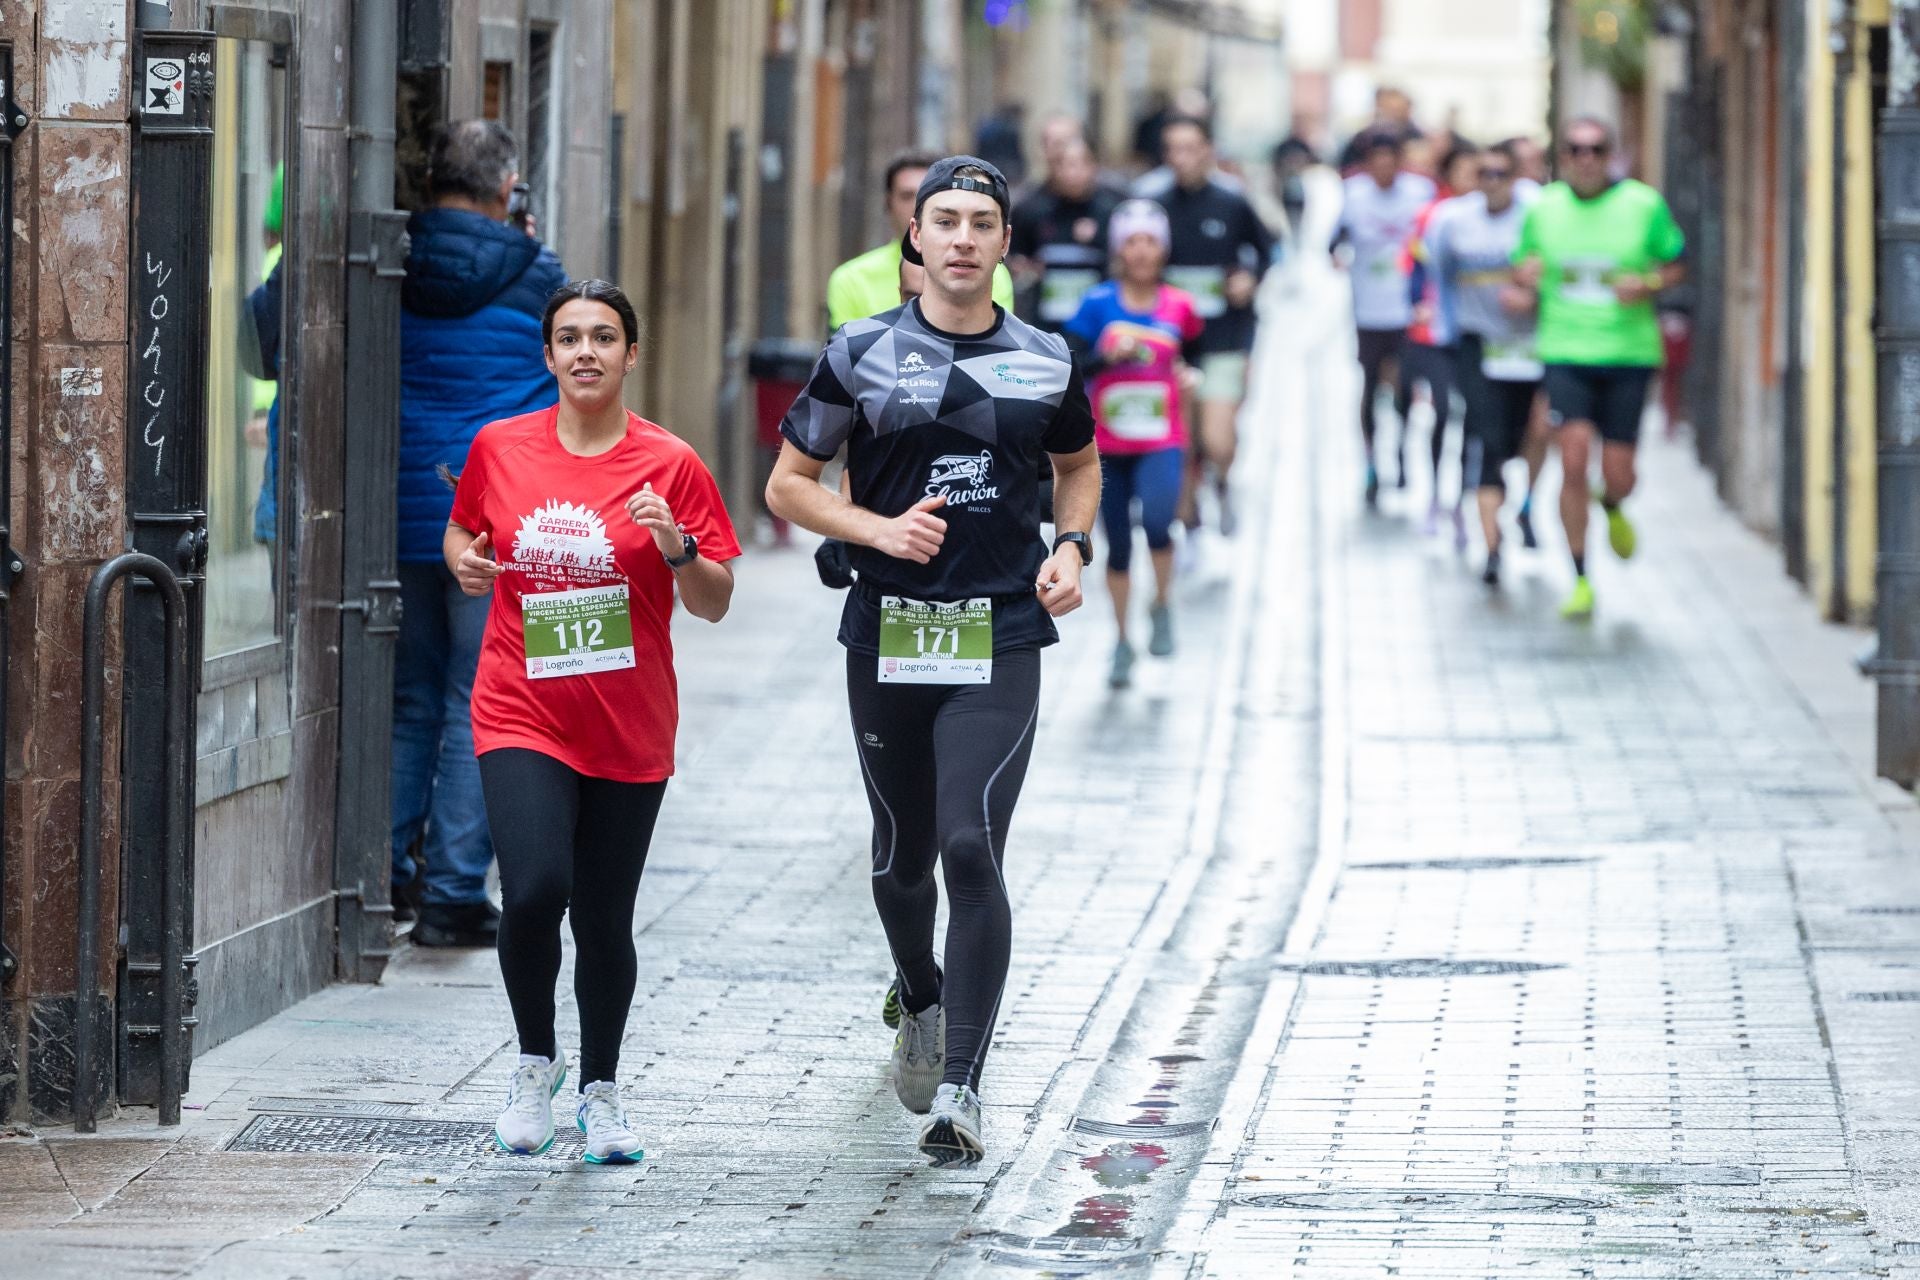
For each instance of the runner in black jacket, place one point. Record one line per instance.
(1220, 251)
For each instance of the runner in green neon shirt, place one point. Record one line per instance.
(1596, 251)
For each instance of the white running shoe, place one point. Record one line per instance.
(919, 1057)
(951, 1135)
(604, 1121)
(526, 1127)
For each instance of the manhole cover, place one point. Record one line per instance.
(330, 1107)
(354, 1135)
(1469, 864)
(1109, 1129)
(1406, 1201)
(1886, 997)
(1649, 1175)
(1415, 967)
(1886, 911)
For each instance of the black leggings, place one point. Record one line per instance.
(568, 845)
(1433, 366)
(944, 764)
(1378, 349)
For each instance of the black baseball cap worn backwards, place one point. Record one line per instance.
(945, 176)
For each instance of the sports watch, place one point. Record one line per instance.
(1081, 542)
(690, 547)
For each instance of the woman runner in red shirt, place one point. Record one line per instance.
(581, 519)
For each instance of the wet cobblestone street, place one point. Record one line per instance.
(1392, 928)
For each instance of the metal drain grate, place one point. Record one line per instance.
(1906, 1247)
(1470, 864)
(1885, 911)
(1647, 1175)
(361, 1135)
(1415, 967)
(1886, 997)
(331, 1107)
(1109, 1129)
(1401, 1200)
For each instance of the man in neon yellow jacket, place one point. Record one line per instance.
(869, 284)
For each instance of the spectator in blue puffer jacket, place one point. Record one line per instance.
(470, 353)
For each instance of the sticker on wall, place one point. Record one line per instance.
(83, 382)
(166, 88)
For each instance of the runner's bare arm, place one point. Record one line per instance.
(795, 493)
(471, 560)
(706, 586)
(1076, 499)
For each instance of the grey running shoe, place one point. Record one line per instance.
(1122, 673)
(1161, 645)
(525, 1128)
(952, 1134)
(919, 1057)
(601, 1117)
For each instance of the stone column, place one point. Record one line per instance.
(70, 361)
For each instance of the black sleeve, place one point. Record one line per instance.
(1025, 220)
(823, 415)
(1085, 358)
(1072, 427)
(1256, 234)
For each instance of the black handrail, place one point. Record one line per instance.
(176, 812)
(12, 121)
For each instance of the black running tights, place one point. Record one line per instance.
(943, 766)
(575, 846)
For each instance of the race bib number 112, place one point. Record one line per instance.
(576, 633)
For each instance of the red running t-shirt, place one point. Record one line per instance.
(559, 523)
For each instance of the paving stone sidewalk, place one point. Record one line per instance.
(1611, 967)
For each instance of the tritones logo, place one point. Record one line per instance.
(1005, 373)
(963, 478)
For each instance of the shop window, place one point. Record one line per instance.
(246, 437)
(537, 147)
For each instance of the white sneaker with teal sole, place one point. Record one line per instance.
(951, 1135)
(526, 1127)
(919, 1057)
(604, 1121)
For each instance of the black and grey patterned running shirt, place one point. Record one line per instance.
(926, 412)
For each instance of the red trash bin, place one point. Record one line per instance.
(779, 368)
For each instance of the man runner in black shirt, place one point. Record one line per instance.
(1059, 244)
(1220, 251)
(945, 405)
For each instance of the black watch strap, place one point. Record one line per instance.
(690, 547)
(1081, 542)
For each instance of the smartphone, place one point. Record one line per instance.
(520, 204)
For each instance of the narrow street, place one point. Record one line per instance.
(1391, 928)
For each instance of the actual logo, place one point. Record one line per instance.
(913, 364)
(962, 478)
(1005, 373)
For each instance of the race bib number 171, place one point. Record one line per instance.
(924, 642)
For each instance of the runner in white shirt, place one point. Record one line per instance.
(1377, 220)
(1469, 250)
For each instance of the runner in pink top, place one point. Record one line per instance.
(1134, 328)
